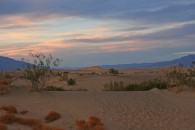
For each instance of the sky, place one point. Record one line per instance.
(98, 32)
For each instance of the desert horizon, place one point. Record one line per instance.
(97, 65)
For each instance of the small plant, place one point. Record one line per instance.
(33, 123)
(3, 126)
(9, 109)
(53, 88)
(113, 71)
(143, 86)
(114, 86)
(94, 123)
(63, 76)
(52, 116)
(39, 71)
(179, 78)
(71, 81)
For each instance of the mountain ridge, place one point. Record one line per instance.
(184, 61)
(7, 63)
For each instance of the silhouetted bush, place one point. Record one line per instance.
(39, 71)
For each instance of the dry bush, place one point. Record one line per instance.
(29, 122)
(94, 123)
(9, 109)
(82, 125)
(23, 112)
(52, 116)
(8, 118)
(3, 126)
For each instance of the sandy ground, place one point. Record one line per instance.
(152, 110)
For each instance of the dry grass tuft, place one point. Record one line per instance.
(9, 109)
(35, 124)
(52, 116)
(29, 122)
(3, 126)
(45, 127)
(8, 118)
(82, 125)
(94, 123)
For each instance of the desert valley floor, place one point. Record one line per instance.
(139, 110)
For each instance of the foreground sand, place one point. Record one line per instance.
(152, 110)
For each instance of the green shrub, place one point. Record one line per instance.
(114, 86)
(144, 86)
(178, 77)
(39, 71)
(113, 71)
(71, 81)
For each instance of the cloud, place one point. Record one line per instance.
(152, 10)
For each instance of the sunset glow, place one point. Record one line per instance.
(96, 32)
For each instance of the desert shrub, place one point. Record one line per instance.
(31, 122)
(9, 78)
(39, 72)
(143, 86)
(113, 71)
(82, 125)
(94, 123)
(114, 86)
(52, 116)
(35, 124)
(44, 127)
(63, 76)
(177, 77)
(71, 81)
(3, 126)
(147, 85)
(53, 88)
(9, 109)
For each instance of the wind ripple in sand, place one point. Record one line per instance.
(144, 110)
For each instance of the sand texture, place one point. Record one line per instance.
(151, 110)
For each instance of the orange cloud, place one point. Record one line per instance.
(44, 47)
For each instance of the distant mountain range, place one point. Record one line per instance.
(184, 61)
(11, 64)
